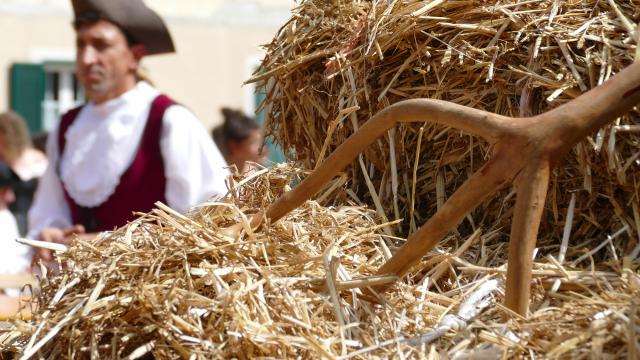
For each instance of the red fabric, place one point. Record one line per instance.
(140, 186)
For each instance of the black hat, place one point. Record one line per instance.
(8, 178)
(140, 23)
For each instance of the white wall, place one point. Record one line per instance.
(215, 40)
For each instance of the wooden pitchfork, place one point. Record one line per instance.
(524, 152)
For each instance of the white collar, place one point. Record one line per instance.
(102, 143)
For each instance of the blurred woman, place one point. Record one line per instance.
(16, 149)
(240, 140)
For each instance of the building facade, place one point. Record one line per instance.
(218, 46)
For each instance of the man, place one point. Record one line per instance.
(129, 146)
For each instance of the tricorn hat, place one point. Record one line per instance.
(134, 18)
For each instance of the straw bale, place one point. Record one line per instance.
(334, 64)
(173, 286)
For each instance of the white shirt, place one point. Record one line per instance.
(14, 258)
(102, 143)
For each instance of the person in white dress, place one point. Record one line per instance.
(15, 258)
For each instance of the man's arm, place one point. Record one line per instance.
(194, 168)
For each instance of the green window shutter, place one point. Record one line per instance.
(276, 154)
(27, 93)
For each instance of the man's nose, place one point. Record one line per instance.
(87, 55)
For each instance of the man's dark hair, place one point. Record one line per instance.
(90, 18)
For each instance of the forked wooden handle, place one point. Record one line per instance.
(525, 150)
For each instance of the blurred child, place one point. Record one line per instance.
(240, 140)
(14, 258)
(16, 150)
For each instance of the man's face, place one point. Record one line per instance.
(105, 64)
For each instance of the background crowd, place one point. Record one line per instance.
(127, 147)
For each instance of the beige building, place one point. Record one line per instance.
(217, 45)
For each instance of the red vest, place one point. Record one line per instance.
(141, 185)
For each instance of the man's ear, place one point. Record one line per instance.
(138, 51)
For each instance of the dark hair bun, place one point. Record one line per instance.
(229, 113)
(233, 115)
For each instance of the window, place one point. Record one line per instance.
(41, 93)
(62, 93)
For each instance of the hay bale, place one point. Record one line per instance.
(336, 63)
(172, 286)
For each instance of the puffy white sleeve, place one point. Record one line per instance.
(49, 208)
(194, 167)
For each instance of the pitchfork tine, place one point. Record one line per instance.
(477, 122)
